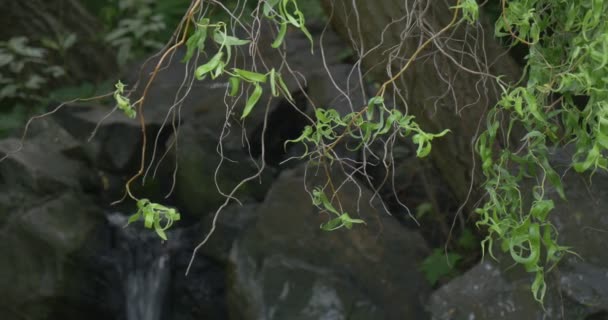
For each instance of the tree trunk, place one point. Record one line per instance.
(89, 59)
(446, 86)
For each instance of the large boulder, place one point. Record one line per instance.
(44, 219)
(36, 244)
(110, 140)
(582, 225)
(286, 266)
(486, 292)
(37, 168)
(205, 176)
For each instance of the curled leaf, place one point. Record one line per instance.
(251, 102)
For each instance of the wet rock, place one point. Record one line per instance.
(371, 270)
(484, 292)
(110, 140)
(585, 283)
(49, 134)
(36, 244)
(582, 225)
(45, 217)
(202, 293)
(230, 224)
(198, 177)
(290, 288)
(37, 169)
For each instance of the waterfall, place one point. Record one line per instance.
(145, 268)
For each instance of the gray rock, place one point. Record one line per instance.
(116, 140)
(289, 288)
(231, 223)
(196, 190)
(37, 169)
(371, 270)
(35, 245)
(484, 292)
(582, 225)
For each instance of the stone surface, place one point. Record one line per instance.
(485, 293)
(231, 222)
(34, 168)
(196, 190)
(36, 244)
(110, 140)
(582, 225)
(371, 270)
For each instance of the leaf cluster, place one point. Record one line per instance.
(155, 216)
(123, 102)
(366, 126)
(342, 219)
(567, 60)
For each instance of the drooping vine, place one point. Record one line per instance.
(567, 60)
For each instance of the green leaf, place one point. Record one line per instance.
(253, 99)
(223, 39)
(332, 224)
(467, 240)
(541, 208)
(438, 265)
(319, 198)
(348, 221)
(235, 83)
(202, 71)
(133, 218)
(284, 87)
(279, 39)
(193, 43)
(273, 83)
(148, 218)
(250, 75)
(159, 230)
(539, 287)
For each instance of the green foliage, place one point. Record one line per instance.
(137, 27)
(285, 13)
(216, 66)
(470, 10)
(25, 69)
(27, 72)
(342, 220)
(135, 33)
(155, 216)
(467, 241)
(364, 126)
(439, 265)
(568, 58)
(123, 102)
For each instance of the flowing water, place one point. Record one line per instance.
(144, 267)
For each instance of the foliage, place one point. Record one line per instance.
(26, 71)
(365, 129)
(123, 102)
(135, 33)
(342, 220)
(137, 27)
(567, 63)
(439, 265)
(154, 215)
(567, 60)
